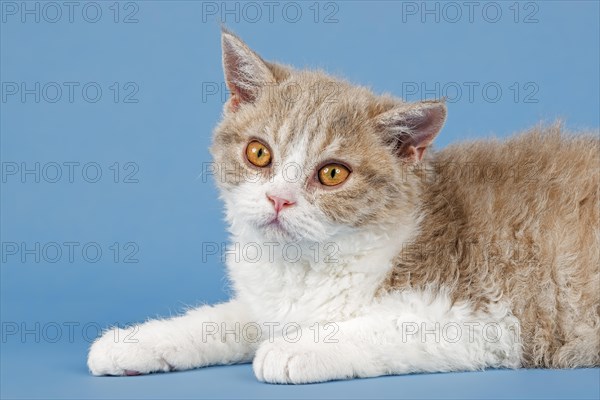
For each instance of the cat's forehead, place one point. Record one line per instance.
(302, 135)
(315, 115)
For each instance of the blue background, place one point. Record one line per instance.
(171, 55)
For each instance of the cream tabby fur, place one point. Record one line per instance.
(483, 255)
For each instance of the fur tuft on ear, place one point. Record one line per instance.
(245, 72)
(411, 127)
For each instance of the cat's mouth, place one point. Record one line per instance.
(277, 228)
(275, 223)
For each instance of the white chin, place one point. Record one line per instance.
(279, 233)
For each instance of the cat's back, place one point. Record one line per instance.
(541, 181)
(543, 158)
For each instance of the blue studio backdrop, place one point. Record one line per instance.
(108, 212)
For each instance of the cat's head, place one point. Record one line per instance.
(302, 155)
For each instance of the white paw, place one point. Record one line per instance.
(122, 352)
(284, 362)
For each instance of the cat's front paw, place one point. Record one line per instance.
(284, 362)
(119, 352)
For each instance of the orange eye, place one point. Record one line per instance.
(258, 154)
(333, 174)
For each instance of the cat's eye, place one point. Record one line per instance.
(258, 154)
(333, 174)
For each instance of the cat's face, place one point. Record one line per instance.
(302, 156)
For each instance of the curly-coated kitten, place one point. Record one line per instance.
(357, 251)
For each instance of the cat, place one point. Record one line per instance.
(368, 253)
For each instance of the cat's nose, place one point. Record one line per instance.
(279, 202)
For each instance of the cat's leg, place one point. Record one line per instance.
(204, 336)
(413, 333)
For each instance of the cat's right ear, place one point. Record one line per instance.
(246, 74)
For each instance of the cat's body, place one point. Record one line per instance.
(516, 221)
(482, 255)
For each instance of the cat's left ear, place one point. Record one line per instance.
(246, 74)
(411, 127)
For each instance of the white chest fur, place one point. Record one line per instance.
(305, 283)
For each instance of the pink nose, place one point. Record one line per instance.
(279, 202)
